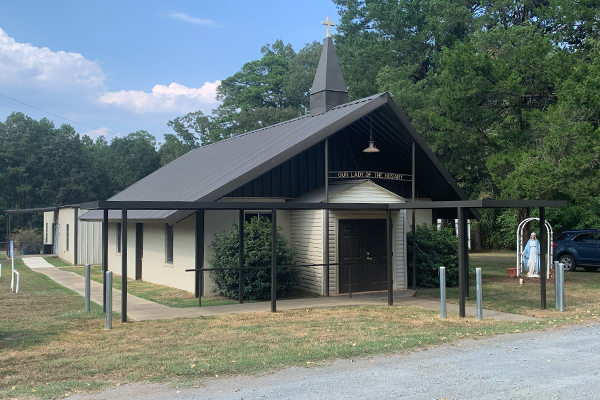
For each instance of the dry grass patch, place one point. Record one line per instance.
(48, 344)
(582, 290)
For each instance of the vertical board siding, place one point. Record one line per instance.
(90, 241)
(399, 218)
(306, 232)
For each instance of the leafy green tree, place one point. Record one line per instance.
(259, 83)
(131, 158)
(300, 76)
(257, 253)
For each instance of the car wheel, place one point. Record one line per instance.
(591, 269)
(568, 261)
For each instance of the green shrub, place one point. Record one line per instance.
(28, 240)
(435, 249)
(224, 253)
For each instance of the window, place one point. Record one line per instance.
(169, 243)
(67, 237)
(118, 237)
(249, 215)
(587, 238)
(46, 240)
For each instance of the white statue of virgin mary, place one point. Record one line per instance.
(531, 256)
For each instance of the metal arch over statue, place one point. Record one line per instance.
(520, 265)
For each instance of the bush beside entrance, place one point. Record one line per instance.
(257, 253)
(435, 249)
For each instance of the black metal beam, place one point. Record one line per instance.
(191, 205)
(104, 256)
(390, 271)
(124, 265)
(30, 210)
(542, 260)
(199, 255)
(274, 260)
(241, 257)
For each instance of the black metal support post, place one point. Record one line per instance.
(326, 225)
(199, 261)
(461, 264)
(465, 235)
(104, 256)
(390, 271)
(414, 222)
(274, 260)
(543, 246)
(8, 238)
(124, 265)
(75, 235)
(327, 170)
(241, 257)
(350, 280)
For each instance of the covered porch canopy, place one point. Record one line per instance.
(462, 208)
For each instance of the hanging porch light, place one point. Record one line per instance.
(371, 148)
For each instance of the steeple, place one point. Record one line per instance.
(328, 89)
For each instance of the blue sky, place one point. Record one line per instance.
(124, 66)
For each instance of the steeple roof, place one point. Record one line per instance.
(328, 89)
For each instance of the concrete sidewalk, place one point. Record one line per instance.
(142, 310)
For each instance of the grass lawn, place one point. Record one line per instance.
(166, 295)
(582, 289)
(57, 262)
(49, 347)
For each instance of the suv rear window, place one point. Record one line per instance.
(562, 236)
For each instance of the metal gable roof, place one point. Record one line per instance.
(211, 172)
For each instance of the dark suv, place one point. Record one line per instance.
(578, 248)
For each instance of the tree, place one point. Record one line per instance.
(131, 158)
(263, 93)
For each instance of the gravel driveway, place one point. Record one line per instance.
(555, 364)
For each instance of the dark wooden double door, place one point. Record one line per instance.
(362, 246)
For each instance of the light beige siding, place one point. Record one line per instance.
(48, 221)
(306, 232)
(66, 216)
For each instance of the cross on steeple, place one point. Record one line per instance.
(329, 25)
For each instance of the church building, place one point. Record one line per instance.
(358, 152)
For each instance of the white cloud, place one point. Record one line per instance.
(174, 97)
(103, 131)
(41, 68)
(73, 87)
(192, 20)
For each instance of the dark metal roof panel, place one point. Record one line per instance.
(210, 172)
